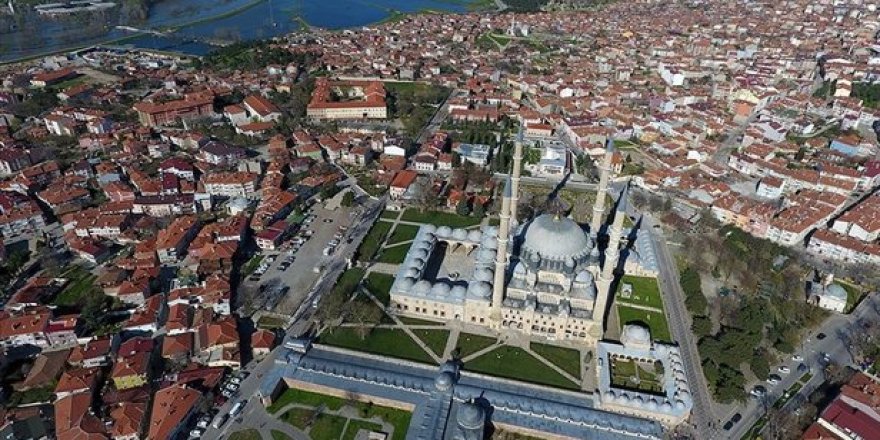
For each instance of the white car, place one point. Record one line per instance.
(196, 433)
(797, 358)
(784, 369)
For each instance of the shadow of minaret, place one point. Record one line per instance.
(555, 192)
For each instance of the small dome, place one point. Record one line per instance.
(490, 230)
(443, 382)
(484, 274)
(653, 405)
(422, 287)
(460, 234)
(458, 291)
(440, 289)
(429, 228)
(486, 255)
(406, 283)
(412, 273)
(444, 231)
(584, 276)
(470, 416)
(480, 289)
(666, 406)
(679, 404)
(519, 269)
(624, 398)
(474, 235)
(420, 253)
(490, 242)
(417, 262)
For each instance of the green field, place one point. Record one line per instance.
(645, 291)
(355, 425)
(393, 255)
(434, 339)
(628, 374)
(373, 241)
(271, 322)
(81, 283)
(655, 321)
(327, 426)
(389, 214)
(403, 233)
(515, 363)
(251, 265)
(348, 282)
(439, 218)
(853, 295)
(417, 321)
(566, 358)
(379, 284)
(299, 417)
(278, 435)
(469, 343)
(247, 434)
(382, 341)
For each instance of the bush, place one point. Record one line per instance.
(702, 326)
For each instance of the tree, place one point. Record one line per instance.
(348, 199)
(479, 210)
(760, 365)
(462, 207)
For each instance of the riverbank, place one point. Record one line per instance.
(298, 18)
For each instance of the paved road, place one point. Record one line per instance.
(437, 120)
(702, 415)
(835, 328)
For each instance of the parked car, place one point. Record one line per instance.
(774, 379)
(820, 336)
(196, 433)
(736, 418)
(784, 369)
(219, 421)
(758, 391)
(802, 368)
(797, 358)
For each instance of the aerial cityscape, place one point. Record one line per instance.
(439, 219)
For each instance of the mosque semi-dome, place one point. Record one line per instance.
(555, 237)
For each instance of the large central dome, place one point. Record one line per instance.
(555, 237)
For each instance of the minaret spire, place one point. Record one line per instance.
(612, 259)
(604, 175)
(501, 254)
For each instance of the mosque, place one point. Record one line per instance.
(545, 277)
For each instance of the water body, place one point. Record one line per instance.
(28, 34)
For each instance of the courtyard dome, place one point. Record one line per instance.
(555, 237)
(836, 291)
(474, 235)
(470, 416)
(444, 231)
(444, 381)
(635, 335)
(459, 234)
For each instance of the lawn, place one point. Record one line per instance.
(566, 358)
(403, 233)
(327, 427)
(382, 341)
(439, 218)
(434, 339)
(645, 291)
(278, 435)
(393, 255)
(853, 295)
(417, 321)
(515, 363)
(389, 214)
(356, 425)
(251, 265)
(373, 241)
(307, 398)
(655, 321)
(347, 282)
(379, 284)
(469, 343)
(81, 283)
(247, 434)
(628, 374)
(271, 322)
(298, 417)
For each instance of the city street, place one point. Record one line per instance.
(703, 416)
(812, 349)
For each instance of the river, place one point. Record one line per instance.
(28, 34)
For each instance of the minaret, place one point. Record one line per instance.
(501, 254)
(604, 175)
(514, 179)
(612, 257)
